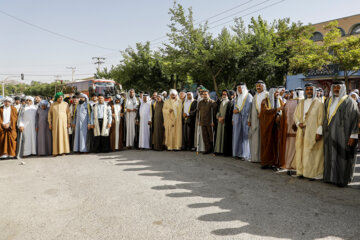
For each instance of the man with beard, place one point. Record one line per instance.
(101, 118)
(207, 118)
(222, 116)
(131, 107)
(158, 124)
(8, 121)
(288, 136)
(17, 103)
(172, 112)
(182, 96)
(144, 122)
(309, 154)
(44, 138)
(73, 105)
(340, 136)
(189, 114)
(27, 127)
(253, 121)
(59, 122)
(241, 112)
(81, 125)
(116, 131)
(270, 114)
(37, 101)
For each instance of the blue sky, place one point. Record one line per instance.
(117, 25)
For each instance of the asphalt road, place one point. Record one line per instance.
(168, 195)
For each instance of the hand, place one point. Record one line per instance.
(93, 126)
(171, 110)
(21, 129)
(249, 124)
(5, 126)
(108, 126)
(36, 129)
(149, 122)
(351, 142)
(212, 124)
(236, 111)
(128, 110)
(280, 109)
(184, 115)
(50, 127)
(89, 126)
(137, 122)
(73, 126)
(121, 115)
(68, 125)
(318, 137)
(301, 125)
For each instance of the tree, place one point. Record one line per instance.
(332, 51)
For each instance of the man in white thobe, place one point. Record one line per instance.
(27, 127)
(144, 121)
(131, 106)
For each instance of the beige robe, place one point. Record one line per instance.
(309, 155)
(173, 124)
(59, 118)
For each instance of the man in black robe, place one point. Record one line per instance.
(340, 131)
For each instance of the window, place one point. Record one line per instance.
(355, 29)
(317, 36)
(342, 31)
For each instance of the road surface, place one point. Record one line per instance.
(168, 195)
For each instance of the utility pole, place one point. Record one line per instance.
(72, 72)
(99, 61)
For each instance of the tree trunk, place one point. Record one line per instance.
(215, 84)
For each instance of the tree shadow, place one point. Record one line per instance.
(268, 204)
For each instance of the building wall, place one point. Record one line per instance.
(346, 23)
(299, 80)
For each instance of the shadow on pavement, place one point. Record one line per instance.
(265, 203)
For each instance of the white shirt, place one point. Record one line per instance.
(17, 106)
(259, 98)
(6, 115)
(187, 106)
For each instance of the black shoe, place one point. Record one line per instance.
(301, 176)
(265, 167)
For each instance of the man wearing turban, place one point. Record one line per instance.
(8, 119)
(59, 122)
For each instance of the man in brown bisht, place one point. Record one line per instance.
(59, 122)
(158, 134)
(269, 117)
(8, 120)
(116, 130)
(288, 134)
(207, 110)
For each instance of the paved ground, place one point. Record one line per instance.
(167, 195)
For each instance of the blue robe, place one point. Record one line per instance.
(240, 143)
(81, 119)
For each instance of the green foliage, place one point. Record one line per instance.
(193, 55)
(35, 88)
(331, 51)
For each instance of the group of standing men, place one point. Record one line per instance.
(296, 130)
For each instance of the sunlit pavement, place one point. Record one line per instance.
(168, 195)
